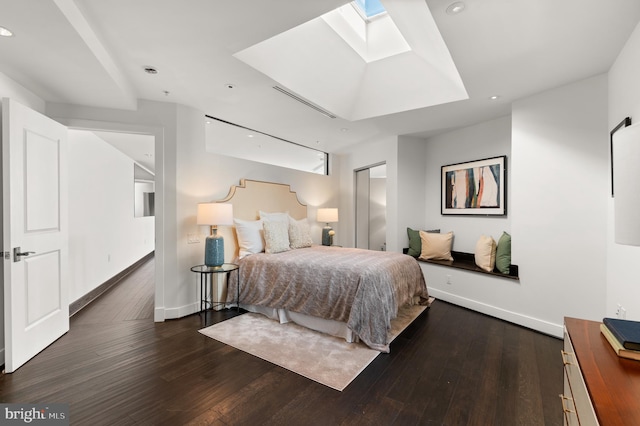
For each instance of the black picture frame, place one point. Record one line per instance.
(475, 187)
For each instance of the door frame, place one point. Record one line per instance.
(158, 133)
(355, 201)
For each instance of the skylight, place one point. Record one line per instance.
(369, 8)
(372, 39)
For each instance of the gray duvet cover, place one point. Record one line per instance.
(363, 288)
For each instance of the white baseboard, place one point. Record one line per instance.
(545, 327)
(161, 314)
(177, 312)
(158, 314)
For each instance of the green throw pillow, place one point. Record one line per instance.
(415, 244)
(503, 253)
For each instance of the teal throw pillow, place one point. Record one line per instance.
(503, 253)
(415, 244)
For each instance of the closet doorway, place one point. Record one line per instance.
(371, 207)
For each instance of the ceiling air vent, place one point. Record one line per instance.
(304, 101)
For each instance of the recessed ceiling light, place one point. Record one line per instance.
(249, 136)
(150, 70)
(344, 129)
(455, 8)
(5, 32)
(494, 97)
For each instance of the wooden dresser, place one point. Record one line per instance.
(599, 387)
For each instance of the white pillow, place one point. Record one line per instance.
(276, 237)
(250, 237)
(485, 254)
(299, 233)
(274, 217)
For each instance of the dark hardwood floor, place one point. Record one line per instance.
(452, 366)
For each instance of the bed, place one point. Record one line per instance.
(346, 292)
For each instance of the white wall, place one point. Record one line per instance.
(623, 266)
(556, 208)
(104, 236)
(559, 203)
(375, 151)
(500, 297)
(485, 140)
(406, 171)
(412, 175)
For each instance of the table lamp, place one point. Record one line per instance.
(214, 215)
(327, 215)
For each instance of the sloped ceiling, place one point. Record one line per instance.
(316, 62)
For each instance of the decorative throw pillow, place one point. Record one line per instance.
(299, 233)
(415, 243)
(485, 253)
(436, 246)
(250, 237)
(276, 237)
(503, 254)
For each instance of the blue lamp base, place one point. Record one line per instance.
(326, 238)
(214, 251)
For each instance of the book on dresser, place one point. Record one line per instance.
(617, 346)
(627, 332)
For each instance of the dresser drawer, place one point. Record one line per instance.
(568, 407)
(576, 389)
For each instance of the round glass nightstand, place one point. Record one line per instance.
(206, 274)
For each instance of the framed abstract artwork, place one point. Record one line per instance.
(475, 188)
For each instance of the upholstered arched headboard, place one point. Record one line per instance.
(251, 197)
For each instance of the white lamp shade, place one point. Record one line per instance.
(328, 215)
(626, 175)
(215, 214)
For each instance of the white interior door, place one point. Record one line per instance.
(34, 181)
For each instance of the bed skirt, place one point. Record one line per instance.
(327, 326)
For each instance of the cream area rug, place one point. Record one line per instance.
(320, 357)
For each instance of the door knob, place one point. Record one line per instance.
(17, 254)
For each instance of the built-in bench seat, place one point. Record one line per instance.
(466, 261)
